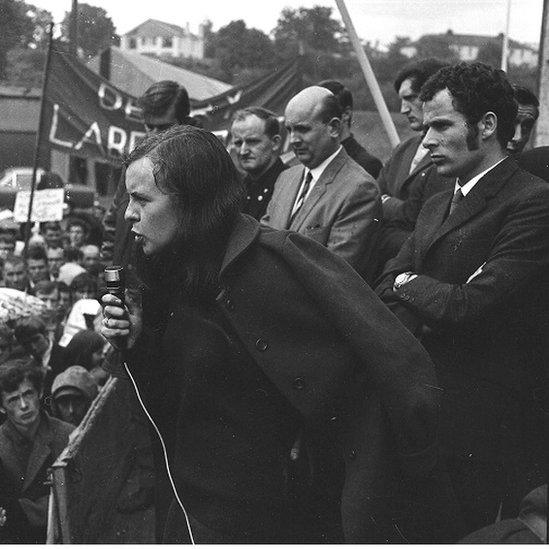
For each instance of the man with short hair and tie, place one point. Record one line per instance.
(330, 198)
(472, 282)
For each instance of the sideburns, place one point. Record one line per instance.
(472, 139)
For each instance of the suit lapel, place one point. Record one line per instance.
(319, 189)
(421, 165)
(403, 174)
(291, 197)
(471, 205)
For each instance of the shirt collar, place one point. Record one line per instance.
(465, 189)
(317, 172)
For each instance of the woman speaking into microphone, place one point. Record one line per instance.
(290, 404)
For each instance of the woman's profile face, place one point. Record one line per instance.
(152, 213)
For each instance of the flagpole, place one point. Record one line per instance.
(369, 76)
(505, 43)
(45, 79)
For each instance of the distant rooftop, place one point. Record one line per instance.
(152, 28)
(134, 73)
(479, 40)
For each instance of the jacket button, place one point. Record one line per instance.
(261, 345)
(299, 383)
(229, 305)
(352, 454)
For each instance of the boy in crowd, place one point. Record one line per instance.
(30, 440)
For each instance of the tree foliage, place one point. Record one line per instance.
(238, 48)
(307, 28)
(95, 29)
(435, 45)
(490, 54)
(21, 25)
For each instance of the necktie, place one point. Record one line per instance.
(302, 195)
(456, 199)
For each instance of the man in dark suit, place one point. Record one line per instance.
(473, 281)
(352, 147)
(409, 177)
(330, 199)
(256, 138)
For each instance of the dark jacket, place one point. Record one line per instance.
(260, 190)
(24, 486)
(535, 161)
(488, 335)
(344, 365)
(408, 192)
(361, 156)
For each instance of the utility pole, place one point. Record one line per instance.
(542, 126)
(73, 29)
(505, 42)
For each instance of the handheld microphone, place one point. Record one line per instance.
(115, 281)
(115, 285)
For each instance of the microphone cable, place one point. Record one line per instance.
(164, 451)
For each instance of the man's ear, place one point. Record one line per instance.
(488, 125)
(334, 126)
(277, 142)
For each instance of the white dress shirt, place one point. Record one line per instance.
(465, 189)
(316, 173)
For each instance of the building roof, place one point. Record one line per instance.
(134, 73)
(20, 109)
(152, 28)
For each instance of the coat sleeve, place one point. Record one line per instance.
(353, 233)
(395, 363)
(520, 254)
(402, 263)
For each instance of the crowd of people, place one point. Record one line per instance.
(51, 359)
(332, 349)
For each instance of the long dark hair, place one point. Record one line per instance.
(193, 166)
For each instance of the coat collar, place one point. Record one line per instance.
(475, 201)
(242, 236)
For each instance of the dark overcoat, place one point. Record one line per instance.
(343, 361)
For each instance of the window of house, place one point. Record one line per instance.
(167, 42)
(132, 44)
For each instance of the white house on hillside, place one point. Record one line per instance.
(160, 38)
(467, 47)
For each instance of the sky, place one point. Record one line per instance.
(375, 20)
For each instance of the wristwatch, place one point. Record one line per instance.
(402, 279)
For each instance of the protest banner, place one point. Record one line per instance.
(86, 115)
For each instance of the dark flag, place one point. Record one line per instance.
(85, 114)
(270, 92)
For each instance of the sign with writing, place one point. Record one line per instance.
(47, 205)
